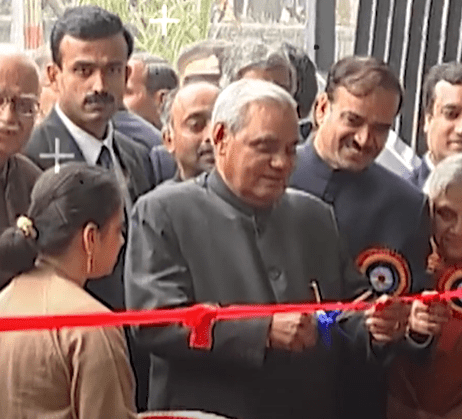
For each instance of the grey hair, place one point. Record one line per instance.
(447, 173)
(232, 103)
(147, 58)
(166, 111)
(254, 53)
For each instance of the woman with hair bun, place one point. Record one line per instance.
(71, 233)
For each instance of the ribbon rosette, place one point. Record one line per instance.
(388, 271)
(450, 279)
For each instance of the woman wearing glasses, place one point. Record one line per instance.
(72, 233)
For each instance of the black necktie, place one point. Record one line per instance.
(105, 158)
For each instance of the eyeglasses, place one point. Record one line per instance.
(24, 105)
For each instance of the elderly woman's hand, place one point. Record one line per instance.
(427, 318)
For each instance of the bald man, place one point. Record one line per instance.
(19, 92)
(186, 131)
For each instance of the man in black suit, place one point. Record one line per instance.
(373, 207)
(90, 49)
(443, 118)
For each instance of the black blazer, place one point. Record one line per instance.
(133, 157)
(135, 162)
(163, 164)
(373, 207)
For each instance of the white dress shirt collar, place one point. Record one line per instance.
(429, 162)
(89, 145)
(431, 166)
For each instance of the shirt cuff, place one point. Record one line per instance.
(415, 343)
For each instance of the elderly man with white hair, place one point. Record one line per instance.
(238, 236)
(19, 92)
(434, 390)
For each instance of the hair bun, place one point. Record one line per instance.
(17, 252)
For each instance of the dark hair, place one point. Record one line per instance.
(61, 204)
(166, 112)
(87, 23)
(160, 76)
(450, 72)
(307, 85)
(360, 76)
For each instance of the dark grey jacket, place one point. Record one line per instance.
(196, 242)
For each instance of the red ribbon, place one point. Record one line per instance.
(167, 417)
(199, 318)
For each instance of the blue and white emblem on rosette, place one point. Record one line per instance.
(387, 271)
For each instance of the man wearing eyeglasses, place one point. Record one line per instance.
(19, 90)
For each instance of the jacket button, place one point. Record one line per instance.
(274, 273)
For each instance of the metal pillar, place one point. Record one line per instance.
(320, 32)
(412, 36)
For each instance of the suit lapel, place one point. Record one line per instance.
(129, 167)
(55, 128)
(424, 172)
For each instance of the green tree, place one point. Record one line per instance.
(193, 25)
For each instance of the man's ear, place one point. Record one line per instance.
(220, 136)
(321, 109)
(52, 72)
(427, 120)
(128, 71)
(159, 96)
(167, 139)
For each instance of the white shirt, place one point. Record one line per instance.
(397, 156)
(429, 162)
(91, 146)
(431, 166)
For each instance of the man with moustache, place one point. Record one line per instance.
(19, 92)
(90, 48)
(443, 118)
(186, 132)
(373, 207)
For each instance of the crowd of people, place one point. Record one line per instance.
(126, 183)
